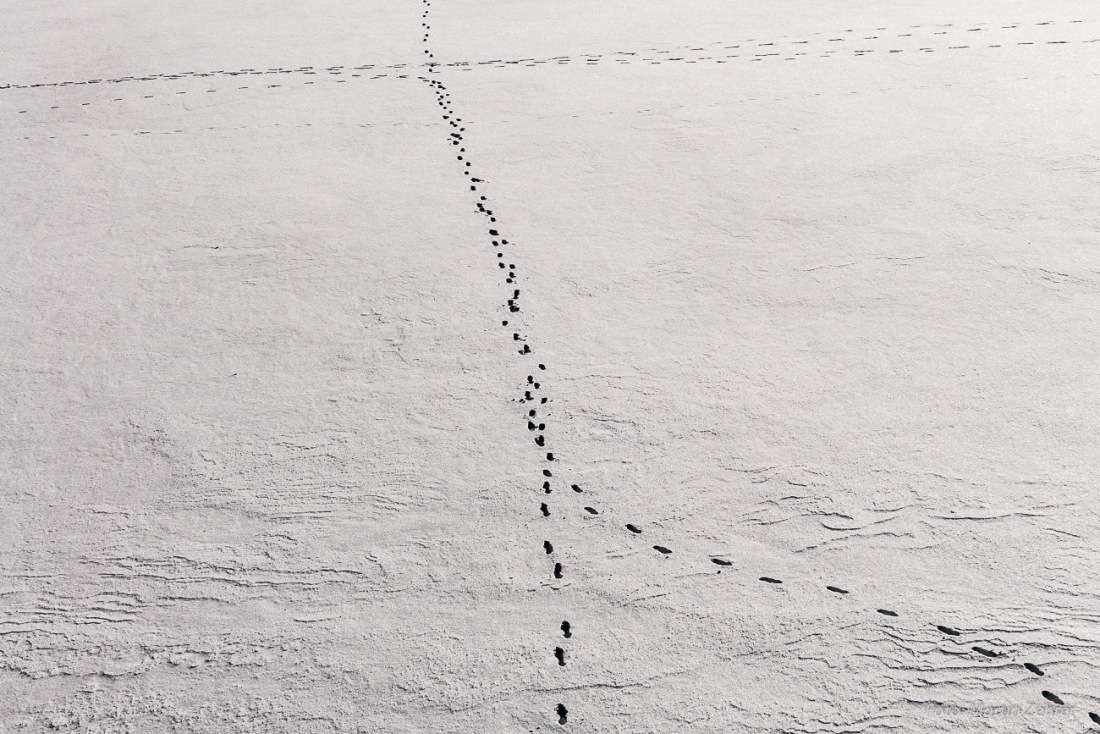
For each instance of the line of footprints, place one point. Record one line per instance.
(533, 401)
(618, 56)
(535, 422)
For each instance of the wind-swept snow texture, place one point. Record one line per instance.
(551, 365)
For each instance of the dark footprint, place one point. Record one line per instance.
(575, 488)
(770, 580)
(661, 549)
(563, 713)
(547, 546)
(591, 510)
(540, 441)
(887, 612)
(546, 487)
(948, 630)
(633, 528)
(721, 562)
(545, 510)
(546, 473)
(557, 570)
(983, 651)
(836, 589)
(1031, 667)
(550, 456)
(565, 630)
(1095, 718)
(560, 655)
(1052, 697)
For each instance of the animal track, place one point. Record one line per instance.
(510, 274)
(1033, 668)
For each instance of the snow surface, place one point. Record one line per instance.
(815, 287)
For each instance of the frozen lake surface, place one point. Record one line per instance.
(550, 366)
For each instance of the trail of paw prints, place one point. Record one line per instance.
(321, 73)
(818, 45)
(534, 400)
(621, 57)
(532, 397)
(665, 549)
(192, 93)
(201, 130)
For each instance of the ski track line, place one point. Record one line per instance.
(536, 421)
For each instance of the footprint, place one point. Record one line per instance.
(557, 570)
(1095, 718)
(887, 612)
(721, 562)
(575, 488)
(540, 441)
(566, 630)
(591, 510)
(836, 589)
(545, 510)
(983, 651)
(1054, 698)
(1033, 668)
(547, 546)
(550, 456)
(546, 487)
(661, 549)
(563, 714)
(633, 528)
(560, 655)
(948, 630)
(546, 473)
(769, 580)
